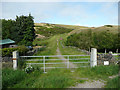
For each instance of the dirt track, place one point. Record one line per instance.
(71, 65)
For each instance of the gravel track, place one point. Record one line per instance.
(91, 84)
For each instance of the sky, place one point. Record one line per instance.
(91, 14)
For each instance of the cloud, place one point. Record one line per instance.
(40, 11)
(65, 13)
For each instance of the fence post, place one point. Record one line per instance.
(68, 63)
(44, 63)
(93, 58)
(15, 58)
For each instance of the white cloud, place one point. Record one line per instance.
(73, 13)
(40, 10)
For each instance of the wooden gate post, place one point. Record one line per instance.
(93, 58)
(15, 58)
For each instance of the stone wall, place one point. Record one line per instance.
(106, 57)
(7, 62)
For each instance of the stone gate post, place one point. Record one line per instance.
(93, 58)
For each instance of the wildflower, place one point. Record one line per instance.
(28, 69)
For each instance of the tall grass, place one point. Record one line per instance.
(113, 83)
(29, 80)
(99, 72)
(11, 77)
(55, 78)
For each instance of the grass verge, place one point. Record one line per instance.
(113, 83)
(11, 77)
(55, 78)
(99, 72)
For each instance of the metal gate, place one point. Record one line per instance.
(58, 61)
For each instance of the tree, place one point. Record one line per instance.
(8, 29)
(104, 40)
(20, 30)
(25, 28)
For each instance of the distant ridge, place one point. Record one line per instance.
(78, 29)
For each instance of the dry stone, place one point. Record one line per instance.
(105, 57)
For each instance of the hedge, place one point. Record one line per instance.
(8, 51)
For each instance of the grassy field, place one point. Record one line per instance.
(51, 46)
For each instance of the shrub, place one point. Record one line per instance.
(108, 25)
(82, 40)
(22, 50)
(8, 51)
(52, 31)
(101, 41)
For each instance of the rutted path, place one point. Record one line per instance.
(71, 65)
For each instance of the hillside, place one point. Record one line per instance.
(48, 30)
(59, 25)
(78, 29)
(113, 29)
